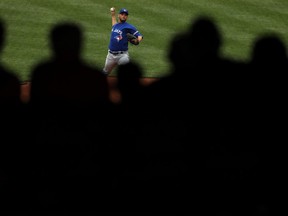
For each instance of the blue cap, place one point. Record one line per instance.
(123, 10)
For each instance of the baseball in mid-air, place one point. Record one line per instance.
(112, 9)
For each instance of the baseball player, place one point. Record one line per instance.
(122, 33)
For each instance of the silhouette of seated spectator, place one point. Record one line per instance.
(268, 89)
(69, 108)
(128, 120)
(202, 91)
(130, 117)
(69, 100)
(197, 106)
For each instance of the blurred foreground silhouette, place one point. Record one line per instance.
(205, 139)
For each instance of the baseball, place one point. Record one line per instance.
(112, 9)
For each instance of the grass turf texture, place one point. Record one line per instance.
(28, 23)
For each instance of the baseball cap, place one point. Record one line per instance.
(123, 10)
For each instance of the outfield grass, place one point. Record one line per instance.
(29, 22)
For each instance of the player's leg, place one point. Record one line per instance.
(110, 63)
(124, 59)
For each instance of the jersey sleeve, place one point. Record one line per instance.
(132, 30)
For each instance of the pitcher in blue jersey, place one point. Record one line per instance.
(118, 46)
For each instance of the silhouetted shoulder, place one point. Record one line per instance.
(72, 81)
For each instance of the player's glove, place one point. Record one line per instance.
(132, 39)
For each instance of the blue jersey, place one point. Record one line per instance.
(118, 39)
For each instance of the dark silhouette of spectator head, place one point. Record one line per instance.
(205, 37)
(200, 43)
(269, 50)
(128, 76)
(269, 65)
(66, 41)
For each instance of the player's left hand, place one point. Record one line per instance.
(132, 39)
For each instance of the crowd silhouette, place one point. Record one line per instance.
(204, 139)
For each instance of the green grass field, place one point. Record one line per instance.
(28, 24)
